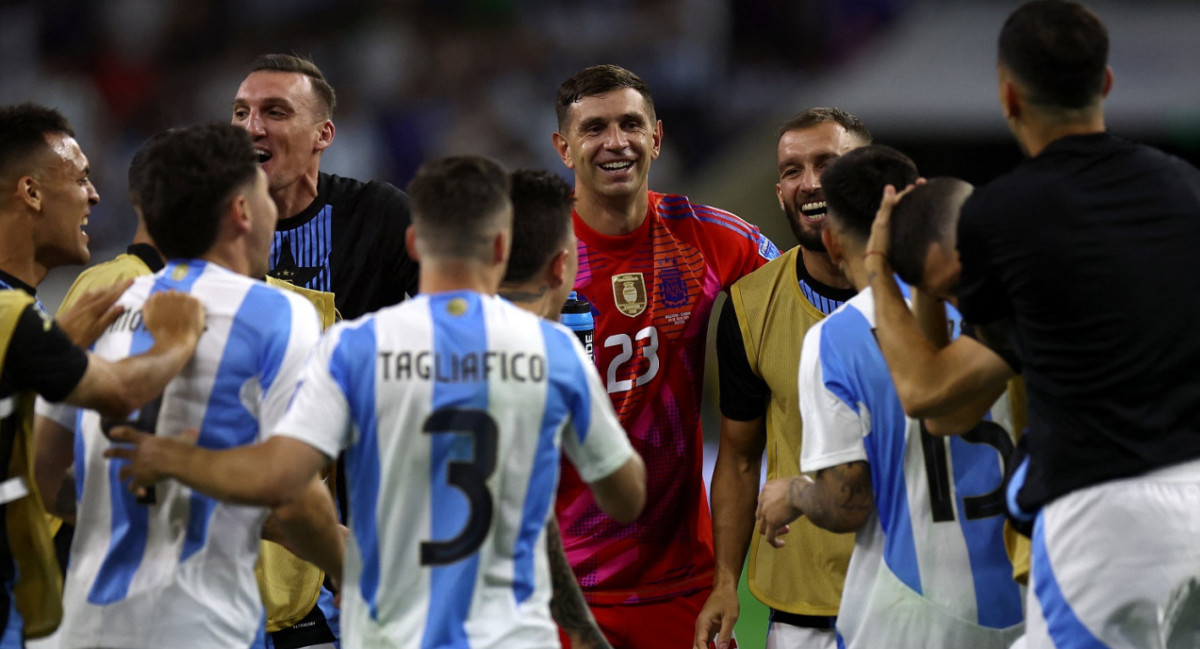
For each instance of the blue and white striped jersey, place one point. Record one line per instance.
(929, 567)
(452, 409)
(180, 572)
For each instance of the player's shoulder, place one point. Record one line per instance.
(368, 193)
(676, 207)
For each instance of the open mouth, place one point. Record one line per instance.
(263, 155)
(814, 211)
(621, 165)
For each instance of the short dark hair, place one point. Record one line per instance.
(1058, 50)
(137, 167)
(542, 204)
(188, 178)
(928, 214)
(853, 184)
(598, 80)
(326, 97)
(455, 202)
(821, 115)
(23, 130)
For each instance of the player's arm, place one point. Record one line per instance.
(274, 473)
(116, 389)
(930, 381)
(90, 313)
(309, 528)
(567, 605)
(54, 449)
(840, 500)
(622, 493)
(735, 477)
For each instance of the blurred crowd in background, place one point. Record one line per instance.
(414, 78)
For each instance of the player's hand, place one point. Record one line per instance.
(719, 614)
(149, 456)
(880, 241)
(92, 313)
(174, 318)
(776, 507)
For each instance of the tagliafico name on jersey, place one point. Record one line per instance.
(462, 368)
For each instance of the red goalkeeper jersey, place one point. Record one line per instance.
(652, 292)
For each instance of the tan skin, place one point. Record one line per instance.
(609, 141)
(287, 123)
(802, 155)
(48, 206)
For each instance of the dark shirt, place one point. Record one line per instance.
(40, 356)
(744, 394)
(1089, 248)
(349, 242)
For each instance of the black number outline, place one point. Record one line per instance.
(937, 472)
(468, 477)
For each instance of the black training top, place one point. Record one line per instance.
(40, 356)
(1089, 249)
(349, 242)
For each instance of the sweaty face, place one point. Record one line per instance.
(610, 140)
(263, 216)
(67, 198)
(803, 154)
(279, 110)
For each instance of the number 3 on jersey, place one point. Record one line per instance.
(649, 350)
(468, 477)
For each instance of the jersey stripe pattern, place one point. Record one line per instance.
(453, 409)
(305, 250)
(180, 571)
(651, 293)
(929, 567)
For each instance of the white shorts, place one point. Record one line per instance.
(789, 636)
(1112, 561)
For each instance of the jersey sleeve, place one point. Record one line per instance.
(285, 360)
(981, 297)
(743, 394)
(319, 412)
(42, 358)
(833, 431)
(593, 440)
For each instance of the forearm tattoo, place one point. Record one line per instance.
(567, 606)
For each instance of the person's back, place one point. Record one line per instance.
(179, 569)
(454, 454)
(929, 567)
(1101, 356)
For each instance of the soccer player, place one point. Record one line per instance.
(58, 420)
(340, 241)
(542, 264)
(929, 567)
(42, 215)
(651, 265)
(1054, 256)
(177, 568)
(452, 438)
(758, 348)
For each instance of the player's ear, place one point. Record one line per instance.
(1108, 81)
(500, 247)
(410, 243)
(658, 136)
(29, 192)
(556, 270)
(564, 149)
(239, 213)
(832, 245)
(325, 136)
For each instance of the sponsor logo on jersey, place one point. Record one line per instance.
(629, 292)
